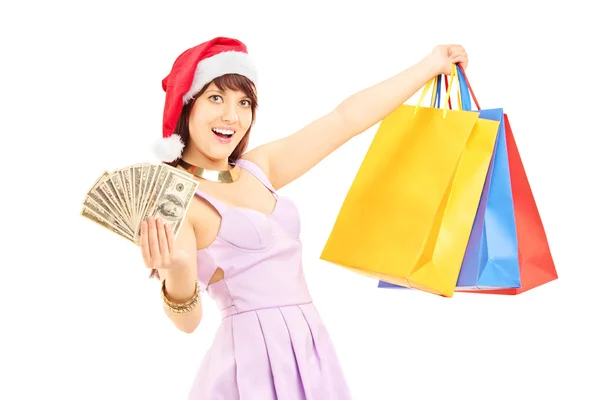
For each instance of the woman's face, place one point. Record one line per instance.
(218, 121)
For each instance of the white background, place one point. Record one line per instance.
(81, 93)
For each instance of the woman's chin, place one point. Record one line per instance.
(219, 153)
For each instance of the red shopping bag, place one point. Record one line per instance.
(535, 259)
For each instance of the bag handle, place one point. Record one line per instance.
(426, 90)
(464, 102)
(466, 89)
(435, 93)
(435, 96)
(450, 98)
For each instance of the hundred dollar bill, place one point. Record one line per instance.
(118, 189)
(151, 191)
(136, 184)
(132, 181)
(147, 191)
(173, 194)
(89, 214)
(125, 177)
(106, 191)
(143, 186)
(103, 201)
(105, 215)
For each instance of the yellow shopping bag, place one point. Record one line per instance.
(408, 214)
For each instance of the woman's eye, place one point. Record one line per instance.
(246, 103)
(215, 97)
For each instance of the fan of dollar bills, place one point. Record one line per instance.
(120, 200)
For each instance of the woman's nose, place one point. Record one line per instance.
(229, 115)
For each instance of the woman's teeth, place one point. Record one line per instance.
(223, 132)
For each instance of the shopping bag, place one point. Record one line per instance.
(435, 102)
(536, 263)
(407, 216)
(491, 259)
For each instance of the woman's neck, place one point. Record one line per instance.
(200, 160)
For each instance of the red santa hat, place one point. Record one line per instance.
(191, 71)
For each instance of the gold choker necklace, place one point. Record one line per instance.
(227, 176)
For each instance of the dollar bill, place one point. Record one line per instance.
(89, 214)
(120, 200)
(116, 212)
(172, 198)
(147, 192)
(136, 184)
(102, 213)
(104, 197)
(125, 179)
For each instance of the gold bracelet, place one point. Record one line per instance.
(181, 308)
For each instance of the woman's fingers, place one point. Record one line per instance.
(459, 55)
(153, 244)
(156, 242)
(163, 244)
(144, 244)
(170, 239)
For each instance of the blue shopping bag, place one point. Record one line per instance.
(491, 258)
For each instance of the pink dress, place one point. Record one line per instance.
(271, 343)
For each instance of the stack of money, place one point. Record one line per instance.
(120, 200)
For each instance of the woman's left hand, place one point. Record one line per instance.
(443, 56)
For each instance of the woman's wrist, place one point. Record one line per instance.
(180, 283)
(432, 66)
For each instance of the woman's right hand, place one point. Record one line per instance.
(158, 249)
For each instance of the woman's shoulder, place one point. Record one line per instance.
(257, 157)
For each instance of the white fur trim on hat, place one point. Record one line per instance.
(168, 149)
(228, 62)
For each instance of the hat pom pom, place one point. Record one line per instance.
(169, 149)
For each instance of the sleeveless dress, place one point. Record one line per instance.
(271, 343)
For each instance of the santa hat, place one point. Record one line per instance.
(193, 69)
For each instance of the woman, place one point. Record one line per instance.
(239, 241)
